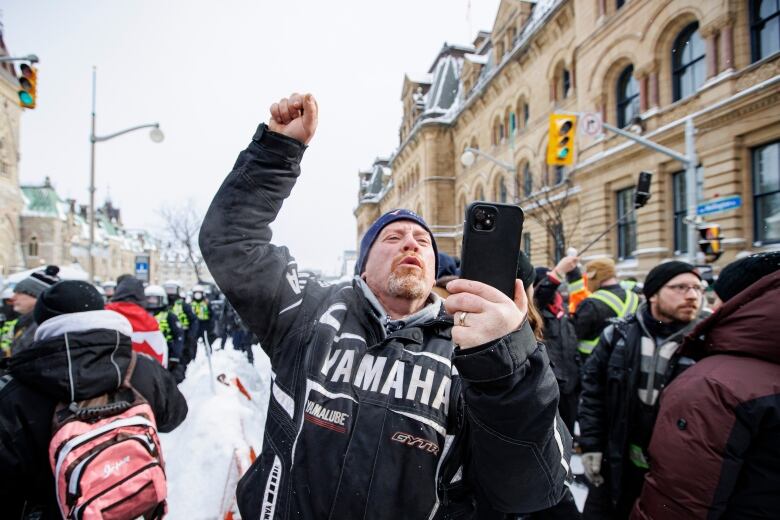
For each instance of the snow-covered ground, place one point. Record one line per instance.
(206, 454)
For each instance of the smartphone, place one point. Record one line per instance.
(491, 244)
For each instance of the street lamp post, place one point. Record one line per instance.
(155, 135)
(469, 157)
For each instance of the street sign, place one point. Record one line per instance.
(719, 205)
(142, 267)
(591, 123)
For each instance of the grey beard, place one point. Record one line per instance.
(406, 286)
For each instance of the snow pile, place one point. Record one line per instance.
(207, 453)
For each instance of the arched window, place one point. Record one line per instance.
(526, 114)
(502, 194)
(565, 83)
(528, 180)
(627, 97)
(764, 28)
(498, 131)
(32, 248)
(688, 64)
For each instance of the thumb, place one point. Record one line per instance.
(521, 298)
(310, 115)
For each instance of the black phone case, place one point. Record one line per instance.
(491, 256)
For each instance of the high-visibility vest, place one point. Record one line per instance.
(7, 336)
(178, 310)
(628, 285)
(578, 291)
(162, 321)
(621, 308)
(201, 309)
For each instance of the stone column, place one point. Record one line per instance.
(710, 34)
(647, 76)
(727, 47)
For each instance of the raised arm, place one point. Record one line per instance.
(259, 279)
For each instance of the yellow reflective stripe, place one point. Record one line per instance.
(162, 320)
(619, 307)
(628, 285)
(610, 299)
(632, 302)
(178, 310)
(576, 285)
(586, 346)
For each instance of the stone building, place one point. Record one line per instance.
(643, 65)
(10, 195)
(56, 231)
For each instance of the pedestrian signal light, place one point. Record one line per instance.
(710, 242)
(27, 84)
(560, 144)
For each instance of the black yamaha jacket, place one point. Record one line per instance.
(33, 381)
(371, 418)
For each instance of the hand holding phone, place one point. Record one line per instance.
(482, 313)
(491, 244)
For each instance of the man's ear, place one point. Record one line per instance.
(363, 276)
(653, 299)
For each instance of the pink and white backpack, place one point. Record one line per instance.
(106, 457)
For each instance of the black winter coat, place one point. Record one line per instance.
(610, 382)
(560, 338)
(36, 380)
(370, 418)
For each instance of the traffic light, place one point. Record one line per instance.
(28, 81)
(560, 144)
(710, 242)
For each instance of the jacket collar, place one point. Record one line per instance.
(428, 313)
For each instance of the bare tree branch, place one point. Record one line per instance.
(547, 206)
(182, 225)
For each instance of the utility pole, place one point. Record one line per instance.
(689, 161)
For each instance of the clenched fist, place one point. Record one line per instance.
(295, 116)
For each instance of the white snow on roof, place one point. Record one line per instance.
(423, 79)
(481, 59)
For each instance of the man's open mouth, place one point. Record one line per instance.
(411, 260)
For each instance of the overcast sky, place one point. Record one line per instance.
(207, 71)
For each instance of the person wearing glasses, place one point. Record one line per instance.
(635, 358)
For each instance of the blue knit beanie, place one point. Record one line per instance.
(371, 233)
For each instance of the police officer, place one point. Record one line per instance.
(609, 299)
(187, 319)
(8, 319)
(157, 306)
(203, 312)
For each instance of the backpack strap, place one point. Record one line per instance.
(130, 370)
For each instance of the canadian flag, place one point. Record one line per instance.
(147, 338)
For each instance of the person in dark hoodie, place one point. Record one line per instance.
(80, 351)
(715, 451)
(560, 337)
(129, 300)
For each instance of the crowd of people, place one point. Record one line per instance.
(412, 393)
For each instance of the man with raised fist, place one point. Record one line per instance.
(383, 406)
